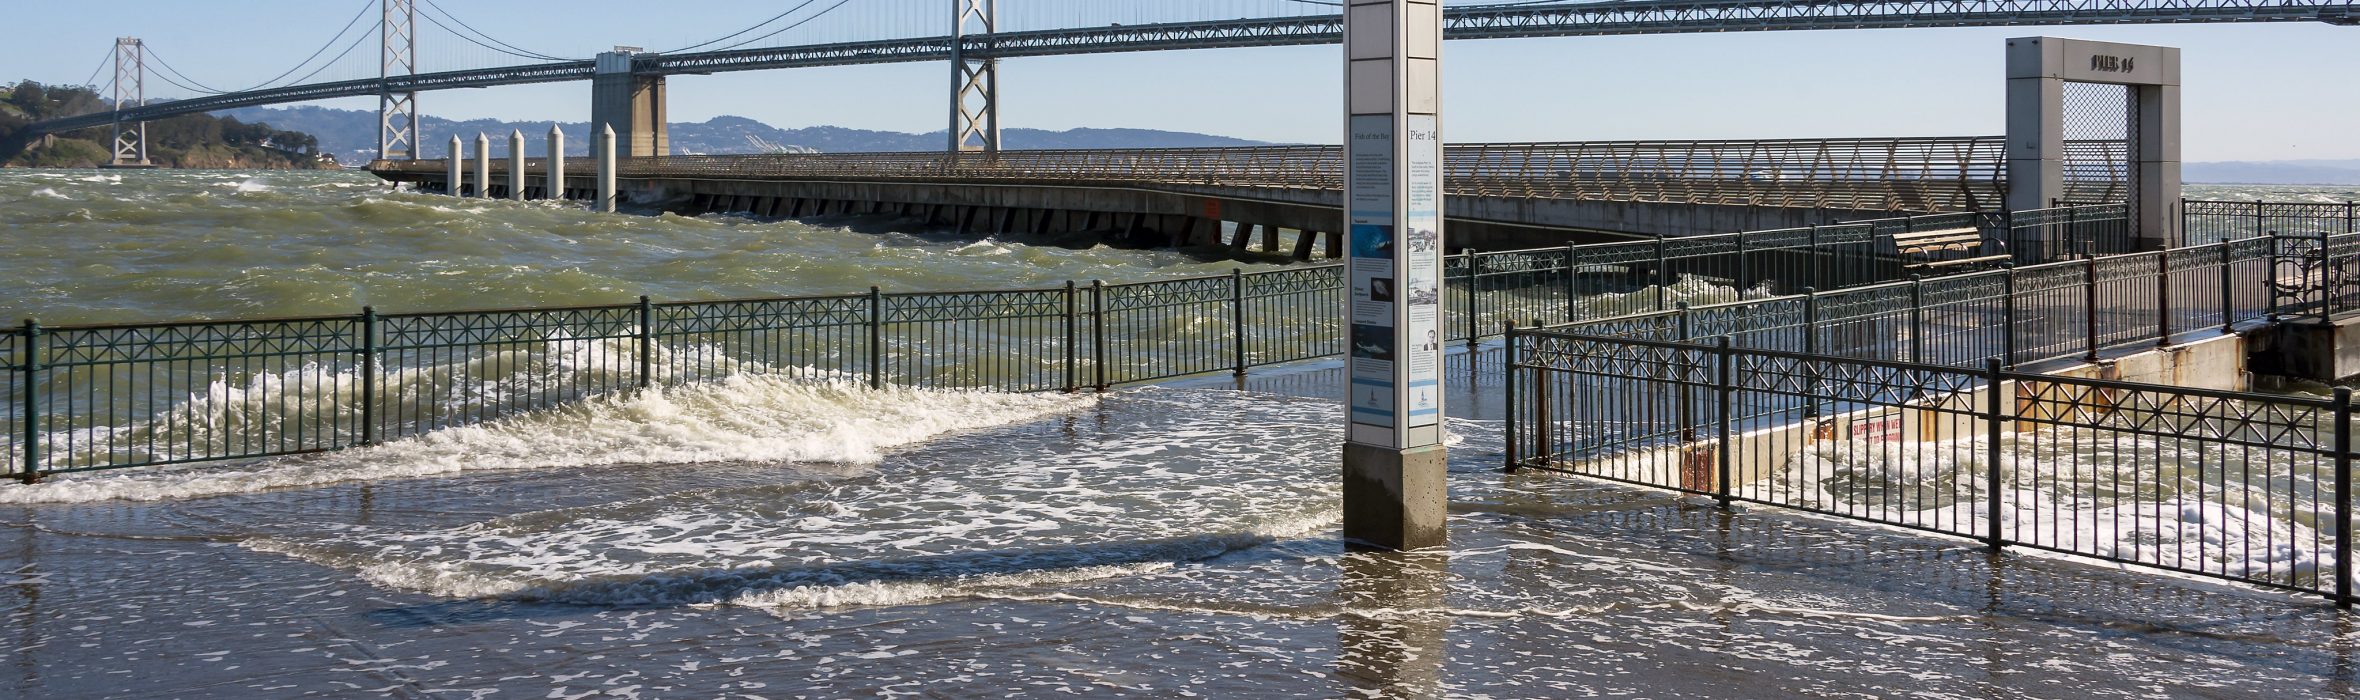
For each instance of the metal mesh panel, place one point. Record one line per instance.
(2097, 143)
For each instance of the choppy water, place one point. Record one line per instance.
(85, 247)
(761, 537)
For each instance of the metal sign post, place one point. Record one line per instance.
(1394, 491)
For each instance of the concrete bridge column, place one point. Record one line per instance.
(458, 155)
(631, 103)
(556, 188)
(604, 149)
(483, 166)
(516, 164)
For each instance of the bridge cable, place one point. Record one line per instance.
(742, 32)
(193, 85)
(92, 81)
(510, 49)
(783, 30)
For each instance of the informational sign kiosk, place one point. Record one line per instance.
(1394, 491)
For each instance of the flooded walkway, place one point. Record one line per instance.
(1166, 542)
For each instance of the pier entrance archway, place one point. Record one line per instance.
(2093, 122)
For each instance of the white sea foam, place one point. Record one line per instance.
(1035, 507)
(769, 419)
(48, 193)
(2241, 513)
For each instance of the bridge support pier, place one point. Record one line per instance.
(633, 104)
(516, 164)
(458, 185)
(556, 188)
(483, 166)
(605, 152)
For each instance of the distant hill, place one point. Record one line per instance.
(185, 141)
(2279, 172)
(352, 135)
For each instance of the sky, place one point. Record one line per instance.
(2252, 92)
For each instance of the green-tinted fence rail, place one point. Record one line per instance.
(102, 397)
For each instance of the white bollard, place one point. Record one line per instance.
(458, 154)
(606, 169)
(556, 163)
(516, 164)
(483, 165)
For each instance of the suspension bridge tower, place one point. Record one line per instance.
(130, 142)
(397, 110)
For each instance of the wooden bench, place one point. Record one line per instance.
(1941, 249)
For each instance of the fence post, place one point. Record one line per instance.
(1237, 315)
(647, 342)
(876, 338)
(31, 410)
(1917, 319)
(1073, 375)
(1571, 296)
(2257, 218)
(1680, 378)
(1474, 288)
(2089, 311)
(2343, 496)
(368, 375)
(1098, 334)
(2326, 277)
(1819, 264)
(1514, 436)
(2228, 297)
(1742, 268)
(1725, 394)
(1995, 406)
(2163, 298)
(1663, 275)
(2008, 316)
(1810, 347)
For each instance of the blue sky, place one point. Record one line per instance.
(2253, 92)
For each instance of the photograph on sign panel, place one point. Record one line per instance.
(1372, 241)
(1372, 342)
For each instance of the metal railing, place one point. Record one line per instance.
(2018, 314)
(2215, 221)
(1865, 174)
(2247, 487)
(102, 397)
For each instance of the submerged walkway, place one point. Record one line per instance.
(915, 576)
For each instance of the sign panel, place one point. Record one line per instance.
(1394, 211)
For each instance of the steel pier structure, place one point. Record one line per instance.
(1501, 195)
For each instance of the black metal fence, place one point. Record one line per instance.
(101, 397)
(2215, 221)
(2019, 315)
(2247, 487)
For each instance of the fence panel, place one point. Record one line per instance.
(1294, 314)
(442, 370)
(2052, 318)
(1007, 340)
(1175, 328)
(2213, 221)
(1612, 410)
(819, 337)
(2129, 296)
(2240, 486)
(12, 415)
(157, 394)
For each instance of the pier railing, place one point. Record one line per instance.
(1931, 174)
(2247, 487)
